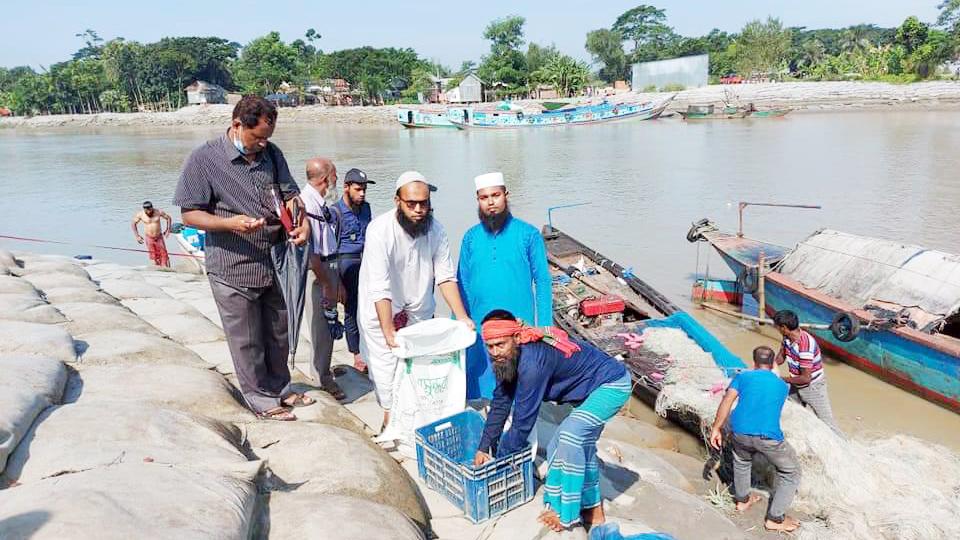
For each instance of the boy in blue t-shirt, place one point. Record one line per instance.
(759, 395)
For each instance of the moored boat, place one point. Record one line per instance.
(579, 115)
(605, 304)
(191, 242)
(890, 309)
(707, 112)
(413, 118)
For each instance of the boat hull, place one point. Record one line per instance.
(923, 364)
(584, 116)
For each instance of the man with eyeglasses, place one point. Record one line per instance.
(406, 254)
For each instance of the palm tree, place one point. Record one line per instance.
(856, 38)
(811, 54)
(564, 73)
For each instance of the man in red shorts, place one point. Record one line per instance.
(154, 232)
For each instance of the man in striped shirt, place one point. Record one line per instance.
(234, 187)
(808, 381)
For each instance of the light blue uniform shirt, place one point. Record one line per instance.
(507, 270)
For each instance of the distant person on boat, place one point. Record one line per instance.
(537, 364)
(503, 264)
(807, 379)
(234, 187)
(755, 424)
(319, 198)
(406, 256)
(154, 232)
(355, 215)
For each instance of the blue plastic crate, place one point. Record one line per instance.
(445, 451)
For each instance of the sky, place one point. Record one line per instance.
(42, 32)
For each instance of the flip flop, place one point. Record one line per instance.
(299, 400)
(279, 414)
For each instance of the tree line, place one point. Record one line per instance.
(122, 75)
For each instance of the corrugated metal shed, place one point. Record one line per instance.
(688, 71)
(861, 270)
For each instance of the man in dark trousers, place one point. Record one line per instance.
(355, 214)
(235, 187)
(759, 395)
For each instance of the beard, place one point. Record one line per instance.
(505, 371)
(494, 223)
(413, 228)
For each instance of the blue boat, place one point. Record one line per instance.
(572, 116)
(413, 118)
(191, 241)
(893, 309)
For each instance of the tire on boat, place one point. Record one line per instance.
(695, 234)
(748, 280)
(845, 327)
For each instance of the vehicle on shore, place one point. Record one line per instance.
(599, 301)
(887, 308)
(567, 116)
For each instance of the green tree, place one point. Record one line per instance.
(538, 56)
(811, 54)
(91, 48)
(266, 62)
(505, 63)
(567, 75)
(912, 34)
(763, 47)
(606, 48)
(640, 25)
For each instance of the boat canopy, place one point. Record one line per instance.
(869, 271)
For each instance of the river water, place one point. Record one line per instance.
(886, 174)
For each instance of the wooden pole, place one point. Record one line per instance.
(761, 295)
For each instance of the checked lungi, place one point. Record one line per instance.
(573, 471)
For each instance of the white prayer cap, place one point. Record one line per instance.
(413, 176)
(493, 179)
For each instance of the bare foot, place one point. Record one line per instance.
(789, 525)
(359, 364)
(744, 506)
(550, 518)
(593, 516)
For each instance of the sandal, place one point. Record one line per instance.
(280, 414)
(331, 387)
(298, 400)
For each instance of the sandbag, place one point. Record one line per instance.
(666, 509)
(120, 347)
(214, 353)
(87, 317)
(188, 389)
(72, 295)
(82, 436)
(330, 412)
(24, 338)
(634, 461)
(16, 285)
(44, 281)
(28, 385)
(186, 329)
(157, 307)
(107, 270)
(53, 267)
(7, 259)
(311, 515)
(124, 289)
(325, 459)
(430, 380)
(28, 308)
(133, 500)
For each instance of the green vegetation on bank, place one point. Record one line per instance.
(121, 75)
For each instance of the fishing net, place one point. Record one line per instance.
(895, 487)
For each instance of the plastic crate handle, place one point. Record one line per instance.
(443, 426)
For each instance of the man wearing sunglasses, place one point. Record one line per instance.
(406, 255)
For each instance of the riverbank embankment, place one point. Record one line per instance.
(802, 96)
(122, 409)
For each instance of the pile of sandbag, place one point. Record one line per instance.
(28, 385)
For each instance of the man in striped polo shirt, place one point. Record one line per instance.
(234, 188)
(808, 381)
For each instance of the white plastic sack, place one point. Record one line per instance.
(35, 339)
(28, 385)
(28, 307)
(430, 381)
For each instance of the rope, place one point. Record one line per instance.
(44, 241)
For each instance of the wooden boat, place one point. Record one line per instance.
(572, 116)
(893, 310)
(413, 118)
(701, 112)
(581, 274)
(191, 242)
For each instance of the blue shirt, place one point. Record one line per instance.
(761, 398)
(503, 270)
(543, 374)
(353, 227)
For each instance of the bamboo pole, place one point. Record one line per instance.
(761, 294)
(760, 320)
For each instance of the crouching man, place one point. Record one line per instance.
(533, 365)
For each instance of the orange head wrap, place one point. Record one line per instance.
(496, 328)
